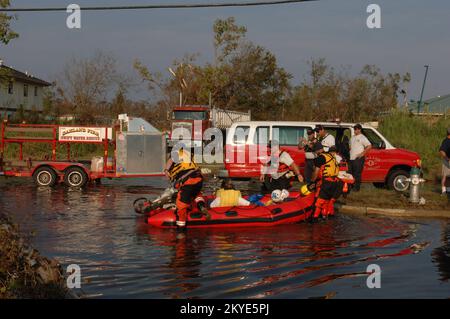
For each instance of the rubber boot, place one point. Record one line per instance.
(320, 206)
(325, 210)
(181, 219)
(330, 209)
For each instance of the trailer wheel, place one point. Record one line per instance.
(75, 177)
(45, 176)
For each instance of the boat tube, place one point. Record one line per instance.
(294, 209)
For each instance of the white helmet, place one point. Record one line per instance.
(276, 196)
(284, 194)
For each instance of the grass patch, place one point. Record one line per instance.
(423, 135)
(369, 196)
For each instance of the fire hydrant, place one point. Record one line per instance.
(414, 186)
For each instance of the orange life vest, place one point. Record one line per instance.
(186, 163)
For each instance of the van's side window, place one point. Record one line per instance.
(241, 134)
(373, 138)
(261, 135)
(288, 135)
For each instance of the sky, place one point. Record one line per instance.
(414, 33)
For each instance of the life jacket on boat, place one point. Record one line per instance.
(184, 164)
(228, 197)
(330, 170)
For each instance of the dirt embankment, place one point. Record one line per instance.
(24, 273)
(382, 198)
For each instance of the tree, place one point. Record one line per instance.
(255, 82)
(85, 84)
(118, 104)
(6, 34)
(227, 37)
(329, 94)
(243, 76)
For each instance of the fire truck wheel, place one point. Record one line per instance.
(75, 177)
(45, 176)
(398, 180)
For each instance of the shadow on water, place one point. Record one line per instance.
(121, 256)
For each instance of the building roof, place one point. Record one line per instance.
(24, 77)
(439, 104)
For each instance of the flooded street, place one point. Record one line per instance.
(120, 256)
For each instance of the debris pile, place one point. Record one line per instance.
(24, 273)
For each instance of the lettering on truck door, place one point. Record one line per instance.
(376, 165)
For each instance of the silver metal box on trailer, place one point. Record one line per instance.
(140, 153)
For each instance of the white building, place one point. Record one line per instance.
(20, 89)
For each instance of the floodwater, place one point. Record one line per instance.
(120, 256)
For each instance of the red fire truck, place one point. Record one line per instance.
(130, 148)
(191, 121)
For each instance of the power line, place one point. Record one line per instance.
(160, 6)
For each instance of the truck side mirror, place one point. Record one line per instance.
(168, 115)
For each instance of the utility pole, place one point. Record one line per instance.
(423, 88)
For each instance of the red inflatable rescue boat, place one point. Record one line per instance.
(293, 210)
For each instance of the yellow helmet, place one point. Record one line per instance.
(304, 190)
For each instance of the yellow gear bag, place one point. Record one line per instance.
(228, 197)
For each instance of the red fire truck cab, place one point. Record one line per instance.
(385, 164)
(189, 122)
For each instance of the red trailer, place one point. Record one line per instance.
(120, 159)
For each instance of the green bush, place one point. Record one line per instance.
(423, 135)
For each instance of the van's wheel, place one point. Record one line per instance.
(45, 176)
(75, 177)
(397, 180)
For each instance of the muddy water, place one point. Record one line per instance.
(120, 256)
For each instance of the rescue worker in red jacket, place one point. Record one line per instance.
(187, 178)
(279, 170)
(328, 186)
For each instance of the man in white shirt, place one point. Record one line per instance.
(326, 139)
(278, 172)
(359, 146)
